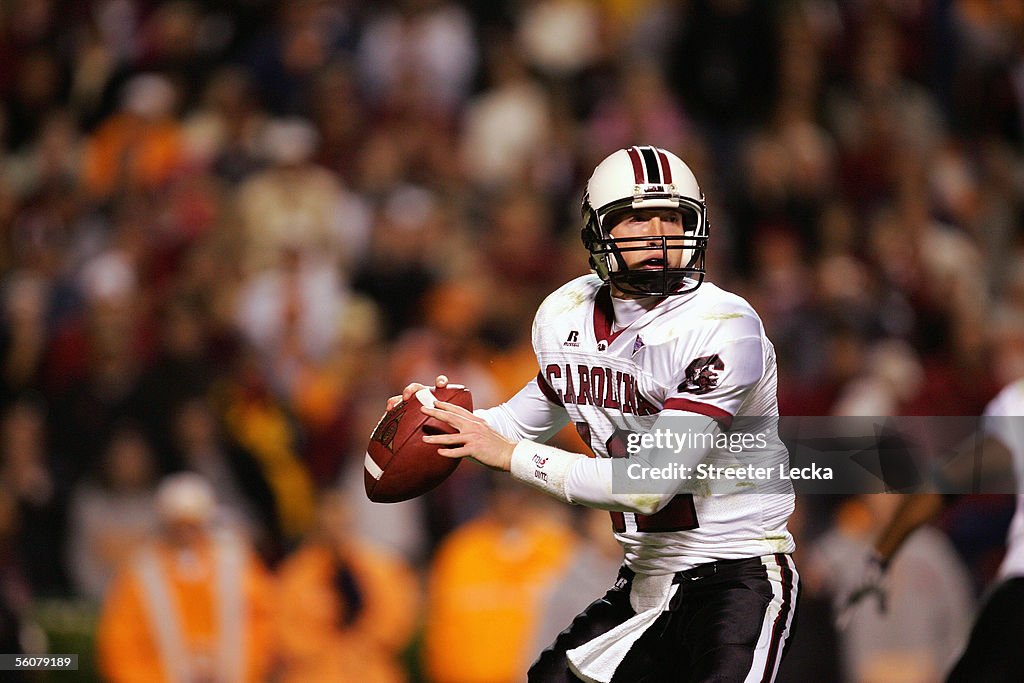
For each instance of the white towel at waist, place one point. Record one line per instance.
(596, 660)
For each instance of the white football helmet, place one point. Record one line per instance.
(645, 177)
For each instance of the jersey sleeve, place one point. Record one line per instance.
(535, 412)
(713, 378)
(530, 414)
(590, 481)
(575, 478)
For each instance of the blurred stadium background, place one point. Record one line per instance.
(232, 228)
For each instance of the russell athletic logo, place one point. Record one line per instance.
(573, 340)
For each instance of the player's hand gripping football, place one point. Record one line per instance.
(411, 389)
(475, 439)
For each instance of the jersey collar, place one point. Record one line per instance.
(604, 313)
(604, 316)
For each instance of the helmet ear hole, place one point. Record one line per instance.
(691, 219)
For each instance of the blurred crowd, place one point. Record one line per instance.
(231, 229)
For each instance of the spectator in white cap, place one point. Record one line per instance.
(194, 605)
(186, 505)
(296, 204)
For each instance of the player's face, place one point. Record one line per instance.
(638, 224)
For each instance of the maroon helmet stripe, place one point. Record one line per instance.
(666, 172)
(638, 167)
(651, 162)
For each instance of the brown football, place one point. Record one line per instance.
(398, 464)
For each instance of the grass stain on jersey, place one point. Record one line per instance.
(779, 543)
(722, 316)
(571, 301)
(577, 299)
(645, 502)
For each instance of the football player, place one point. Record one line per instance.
(993, 652)
(708, 588)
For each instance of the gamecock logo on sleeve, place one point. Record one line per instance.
(702, 375)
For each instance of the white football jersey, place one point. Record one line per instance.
(1010, 402)
(701, 353)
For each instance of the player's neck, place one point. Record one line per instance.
(648, 302)
(628, 311)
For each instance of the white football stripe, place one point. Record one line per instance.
(372, 467)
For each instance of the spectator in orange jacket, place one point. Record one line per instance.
(139, 146)
(191, 607)
(345, 610)
(488, 586)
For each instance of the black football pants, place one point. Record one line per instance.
(729, 621)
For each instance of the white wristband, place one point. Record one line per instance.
(543, 467)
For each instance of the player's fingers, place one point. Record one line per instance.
(410, 390)
(452, 408)
(444, 416)
(441, 381)
(453, 452)
(394, 401)
(445, 439)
